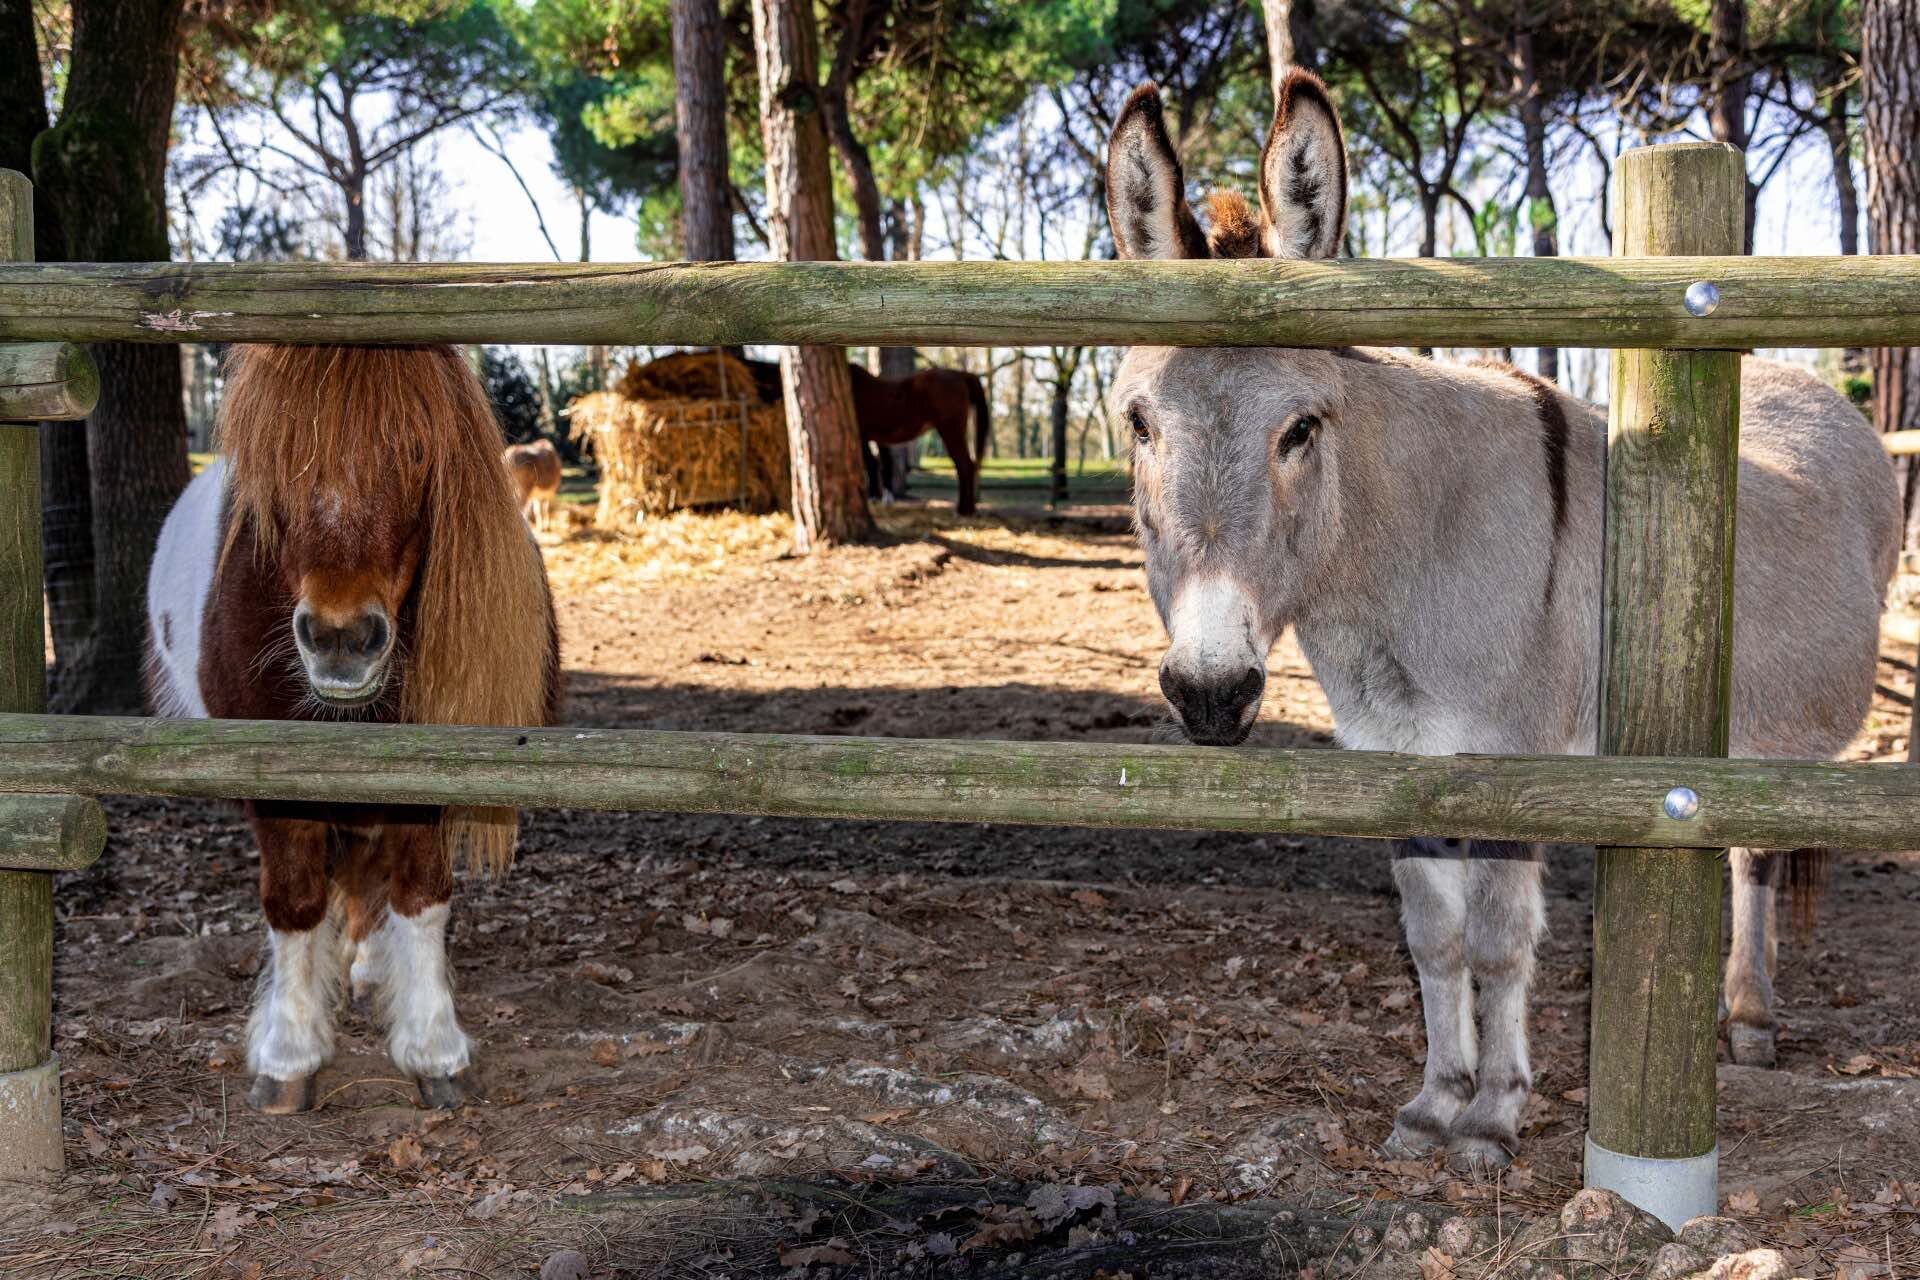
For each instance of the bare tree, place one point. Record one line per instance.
(1530, 105)
(829, 494)
(347, 108)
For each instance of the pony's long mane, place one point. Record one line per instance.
(378, 426)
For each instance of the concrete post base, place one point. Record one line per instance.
(30, 1122)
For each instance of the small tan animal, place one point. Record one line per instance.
(535, 469)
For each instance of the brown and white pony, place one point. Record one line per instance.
(356, 554)
(535, 470)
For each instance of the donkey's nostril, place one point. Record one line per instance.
(1212, 711)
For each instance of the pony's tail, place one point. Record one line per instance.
(480, 839)
(982, 418)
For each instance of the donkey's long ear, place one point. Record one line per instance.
(1303, 172)
(1146, 192)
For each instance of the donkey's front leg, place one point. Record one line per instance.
(1750, 963)
(290, 1035)
(1506, 912)
(1433, 903)
(408, 953)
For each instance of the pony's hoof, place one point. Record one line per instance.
(281, 1097)
(1478, 1155)
(446, 1093)
(1752, 1046)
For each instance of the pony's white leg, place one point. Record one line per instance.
(290, 1035)
(424, 1037)
(362, 977)
(1432, 879)
(1506, 913)
(1750, 963)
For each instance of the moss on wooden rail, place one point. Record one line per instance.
(1602, 302)
(1553, 798)
(50, 832)
(46, 382)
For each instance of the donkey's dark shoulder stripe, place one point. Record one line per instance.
(1554, 431)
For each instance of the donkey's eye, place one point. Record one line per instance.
(1141, 431)
(1298, 434)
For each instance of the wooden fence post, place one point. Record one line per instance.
(29, 1074)
(1666, 672)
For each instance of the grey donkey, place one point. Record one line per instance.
(1433, 534)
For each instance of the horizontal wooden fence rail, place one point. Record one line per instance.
(1554, 798)
(1593, 302)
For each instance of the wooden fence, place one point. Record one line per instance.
(1661, 802)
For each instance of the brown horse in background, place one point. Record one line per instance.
(357, 553)
(895, 411)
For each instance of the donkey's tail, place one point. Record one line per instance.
(1806, 883)
(982, 417)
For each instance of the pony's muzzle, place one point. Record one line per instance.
(345, 659)
(1215, 710)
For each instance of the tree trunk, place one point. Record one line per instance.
(104, 166)
(897, 362)
(1840, 145)
(1062, 391)
(853, 153)
(1890, 111)
(1833, 123)
(66, 505)
(354, 191)
(1541, 214)
(829, 496)
(1731, 86)
(700, 127)
(1290, 39)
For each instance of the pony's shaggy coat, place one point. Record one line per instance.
(400, 430)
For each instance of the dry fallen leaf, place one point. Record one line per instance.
(832, 1253)
(1743, 1202)
(405, 1152)
(227, 1222)
(1435, 1265)
(605, 1053)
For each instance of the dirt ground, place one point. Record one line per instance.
(934, 1050)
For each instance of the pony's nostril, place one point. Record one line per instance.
(303, 630)
(372, 635)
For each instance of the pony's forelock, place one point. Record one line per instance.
(372, 427)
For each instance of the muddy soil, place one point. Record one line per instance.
(663, 1002)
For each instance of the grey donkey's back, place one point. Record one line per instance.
(1811, 573)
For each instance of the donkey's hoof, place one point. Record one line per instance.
(446, 1093)
(281, 1097)
(1411, 1141)
(1478, 1155)
(1752, 1046)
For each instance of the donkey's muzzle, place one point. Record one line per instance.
(346, 661)
(1215, 712)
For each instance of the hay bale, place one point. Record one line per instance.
(658, 455)
(689, 375)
